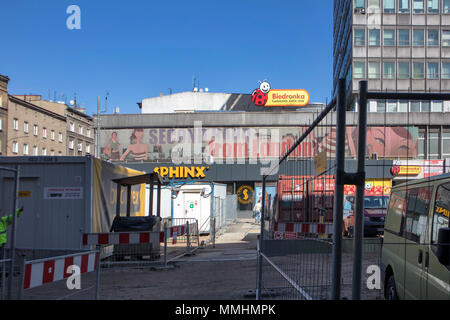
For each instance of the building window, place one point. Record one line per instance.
(360, 37)
(71, 144)
(359, 70)
(446, 143)
(445, 70)
(446, 38)
(88, 148)
(403, 6)
(418, 37)
(52, 135)
(35, 130)
(80, 130)
(52, 152)
(425, 106)
(418, 70)
(389, 6)
(415, 106)
(403, 106)
(374, 37)
(388, 70)
(35, 151)
(436, 106)
(374, 4)
(0, 127)
(442, 206)
(392, 106)
(433, 37)
(15, 147)
(446, 6)
(88, 133)
(25, 149)
(360, 4)
(433, 6)
(44, 151)
(80, 147)
(433, 145)
(432, 70)
(25, 127)
(403, 70)
(381, 106)
(72, 127)
(59, 153)
(60, 137)
(418, 6)
(15, 124)
(403, 37)
(421, 144)
(44, 132)
(389, 37)
(374, 70)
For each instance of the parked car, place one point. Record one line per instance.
(415, 260)
(375, 208)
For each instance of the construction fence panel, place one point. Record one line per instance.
(231, 208)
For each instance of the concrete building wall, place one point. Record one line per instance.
(22, 114)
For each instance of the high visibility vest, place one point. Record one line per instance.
(4, 223)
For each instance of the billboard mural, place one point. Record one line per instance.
(217, 144)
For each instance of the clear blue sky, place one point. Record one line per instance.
(136, 49)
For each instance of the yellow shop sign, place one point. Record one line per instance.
(196, 172)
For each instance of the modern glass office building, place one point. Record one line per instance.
(397, 45)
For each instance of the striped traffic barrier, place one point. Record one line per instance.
(43, 271)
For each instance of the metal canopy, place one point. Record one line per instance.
(145, 178)
(149, 178)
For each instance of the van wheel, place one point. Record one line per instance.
(391, 292)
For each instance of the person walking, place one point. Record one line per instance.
(257, 211)
(4, 223)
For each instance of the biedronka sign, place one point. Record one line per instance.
(264, 96)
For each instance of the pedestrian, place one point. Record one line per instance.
(257, 211)
(4, 223)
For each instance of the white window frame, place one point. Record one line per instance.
(44, 133)
(52, 135)
(71, 144)
(16, 124)
(44, 151)
(72, 127)
(25, 127)
(35, 151)
(15, 147)
(60, 137)
(36, 130)
(26, 149)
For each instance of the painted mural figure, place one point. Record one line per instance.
(112, 150)
(138, 149)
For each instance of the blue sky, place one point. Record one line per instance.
(136, 49)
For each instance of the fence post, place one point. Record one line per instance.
(13, 231)
(214, 232)
(2, 248)
(339, 192)
(97, 276)
(261, 238)
(165, 244)
(359, 205)
(22, 277)
(188, 243)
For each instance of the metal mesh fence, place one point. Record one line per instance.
(375, 189)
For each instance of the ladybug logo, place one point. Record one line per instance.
(259, 96)
(395, 170)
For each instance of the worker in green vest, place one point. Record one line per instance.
(4, 223)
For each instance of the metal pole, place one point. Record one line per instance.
(98, 126)
(359, 207)
(13, 231)
(97, 279)
(22, 277)
(188, 243)
(3, 272)
(260, 247)
(339, 192)
(165, 244)
(211, 216)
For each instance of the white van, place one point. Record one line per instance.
(416, 247)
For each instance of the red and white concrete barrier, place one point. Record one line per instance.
(316, 228)
(121, 238)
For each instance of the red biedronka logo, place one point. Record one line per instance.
(264, 96)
